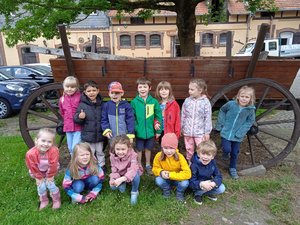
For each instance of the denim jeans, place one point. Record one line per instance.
(215, 191)
(42, 188)
(135, 185)
(165, 184)
(232, 147)
(73, 138)
(89, 183)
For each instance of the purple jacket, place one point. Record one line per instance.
(67, 107)
(127, 166)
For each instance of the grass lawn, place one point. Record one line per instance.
(19, 200)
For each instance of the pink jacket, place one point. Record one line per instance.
(33, 160)
(67, 107)
(127, 166)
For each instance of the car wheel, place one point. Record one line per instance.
(5, 109)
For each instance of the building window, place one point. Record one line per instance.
(207, 39)
(137, 20)
(140, 40)
(155, 40)
(223, 39)
(125, 41)
(267, 15)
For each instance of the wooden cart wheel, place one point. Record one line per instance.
(42, 107)
(276, 129)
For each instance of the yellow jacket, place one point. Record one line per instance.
(179, 170)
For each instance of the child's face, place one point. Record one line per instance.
(115, 96)
(44, 142)
(91, 93)
(244, 98)
(164, 93)
(169, 152)
(205, 158)
(121, 150)
(194, 90)
(83, 157)
(70, 90)
(143, 90)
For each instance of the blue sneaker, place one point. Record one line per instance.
(134, 197)
(149, 170)
(233, 173)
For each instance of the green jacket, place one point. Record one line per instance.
(145, 113)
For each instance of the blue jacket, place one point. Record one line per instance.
(91, 125)
(202, 172)
(235, 121)
(118, 118)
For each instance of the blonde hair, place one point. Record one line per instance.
(74, 161)
(143, 80)
(71, 81)
(164, 85)
(45, 130)
(207, 147)
(121, 139)
(201, 84)
(249, 90)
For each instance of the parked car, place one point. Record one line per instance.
(13, 93)
(42, 77)
(40, 66)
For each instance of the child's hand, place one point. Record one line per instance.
(206, 137)
(165, 174)
(157, 136)
(108, 135)
(82, 114)
(206, 185)
(157, 126)
(38, 182)
(90, 197)
(119, 181)
(112, 183)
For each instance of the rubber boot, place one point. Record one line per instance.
(56, 200)
(44, 201)
(134, 197)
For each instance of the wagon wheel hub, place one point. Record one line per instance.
(253, 130)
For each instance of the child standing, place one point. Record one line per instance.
(146, 110)
(83, 173)
(42, 162)
(169, 107)
(196, 116)
(206, 177)
(234, 121)
(117, 114)
(171, 168)
(88, 115)
(124, 167)
(68, 104)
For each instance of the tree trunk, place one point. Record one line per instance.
(186, 24)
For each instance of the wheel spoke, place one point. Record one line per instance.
(270, 109)
(260, 141)
(276, 136)
(43, 115)
(227, 99)
(251, 150)
(275, 122)
(262, 98)
(49, 106)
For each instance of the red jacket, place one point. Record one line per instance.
(172, 118)
(33, 160)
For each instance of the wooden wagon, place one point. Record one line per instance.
(271, 138)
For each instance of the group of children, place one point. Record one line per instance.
(88, 121)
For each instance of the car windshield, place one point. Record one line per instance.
(46, 71)
(5, 77)
(247, 47)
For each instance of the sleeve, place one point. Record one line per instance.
(32, 165)
(60, 105)
(183, 114)
(242, 131)
(177, 121)
(221, 116)
(207, 117)
(98, 187)
(184, 173)
(114, 171)
(158, 115)
(104, 119)
(194, 181)
(67, 185)
(130, 121)
(217, 176)
(157, 168)
(133, 169)
(53, 159)
(76, 115)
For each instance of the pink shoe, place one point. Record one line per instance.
(44, 201)
(56, 200)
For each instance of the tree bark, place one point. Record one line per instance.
(186, 24)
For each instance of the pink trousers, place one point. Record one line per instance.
(190, 145)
